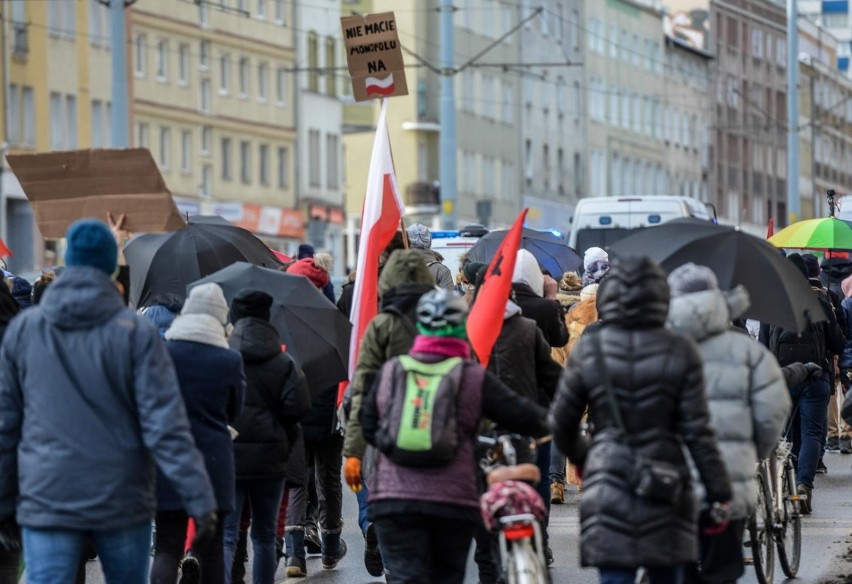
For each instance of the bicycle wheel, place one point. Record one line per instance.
(524, 566)
(760, 532)
(790, 535)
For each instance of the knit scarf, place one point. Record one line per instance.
(444, 346)
(198, 328)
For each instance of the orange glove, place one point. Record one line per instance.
(352, 473)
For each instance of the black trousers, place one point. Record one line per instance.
(171, 539)
(721, 557)
(423, 549)
(10, 563)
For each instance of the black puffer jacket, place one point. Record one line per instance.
(521, 359)
(657, 378)
(272, 379)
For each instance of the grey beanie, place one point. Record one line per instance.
(690, 278)
(419, 236)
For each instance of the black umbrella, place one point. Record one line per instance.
(314, 331)
(162, 264)
(779, 293)
(552, 254)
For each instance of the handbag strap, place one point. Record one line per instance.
(610, 393)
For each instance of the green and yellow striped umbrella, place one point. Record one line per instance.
(826, 233)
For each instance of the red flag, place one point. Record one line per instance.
(771, 230)
(4, 251)
(483, 326)
(379, 222)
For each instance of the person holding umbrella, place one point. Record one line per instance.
(277, 397)
(747, 397)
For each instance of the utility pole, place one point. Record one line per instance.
(813, 124)
(793, 199)
(120, 112)
(447, 156)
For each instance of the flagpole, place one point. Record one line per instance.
(404, 233)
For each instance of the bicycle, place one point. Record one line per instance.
(513, 508)
(777, 520)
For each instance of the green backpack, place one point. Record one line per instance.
(419, 425)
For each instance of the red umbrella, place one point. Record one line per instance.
(283, 258)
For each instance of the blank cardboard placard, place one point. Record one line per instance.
(66, 186)
(374, 56)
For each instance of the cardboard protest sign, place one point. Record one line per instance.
(374, 56)
(66, 186)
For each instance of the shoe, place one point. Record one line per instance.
(296, 567)
(190, 570)
(846, 445)
(557, 493)
(805, 499)
(548, 555)
(821, 468)
(833, 444)
(372, 553)
(330, 562)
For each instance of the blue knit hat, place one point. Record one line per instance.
(91, 243)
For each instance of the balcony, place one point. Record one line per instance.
(422, 197)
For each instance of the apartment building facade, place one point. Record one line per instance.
(56, 62)
(213, 99)
(631, 115)
(836, 17)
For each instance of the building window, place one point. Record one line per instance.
(245, 161)
(97, 12)
(263, 82)
(206, 181)
(71, 138)
(14, 114)
(331, 74)
(243, 6)
(279, 12)
(140, 51)
(57, 122)
(313, 62)
(203, 14)
(333, 167)
(560, 170)
(226, 159)
(53, 18)
(185, 151)
(29, 117)
(206, 139)
(261, 9)
(205, 95)
(97, 123)
(183, 64)
(756, 42)
(165, 148)
(204, 55)
(283, 171)
(244, 76)
(314, 161)
(224, 74)
(263, 154)
(507, 111)
(142, 135)
(162, 60)
(281, 87)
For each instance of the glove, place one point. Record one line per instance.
(715, 520)
(813, 369)
(205, 532)
(10, 535)
(352, 473)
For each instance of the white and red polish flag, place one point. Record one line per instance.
(380, 219)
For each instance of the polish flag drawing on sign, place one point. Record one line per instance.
(380, 220)
(383, 87)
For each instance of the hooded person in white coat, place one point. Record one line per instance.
(747, 397)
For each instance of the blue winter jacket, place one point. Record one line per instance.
(89, 402)
(213, 387)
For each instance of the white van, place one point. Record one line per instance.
(601, 221)
(452, 245)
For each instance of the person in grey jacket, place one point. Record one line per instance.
(90, 406)
(747, 397)
(420, 239)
